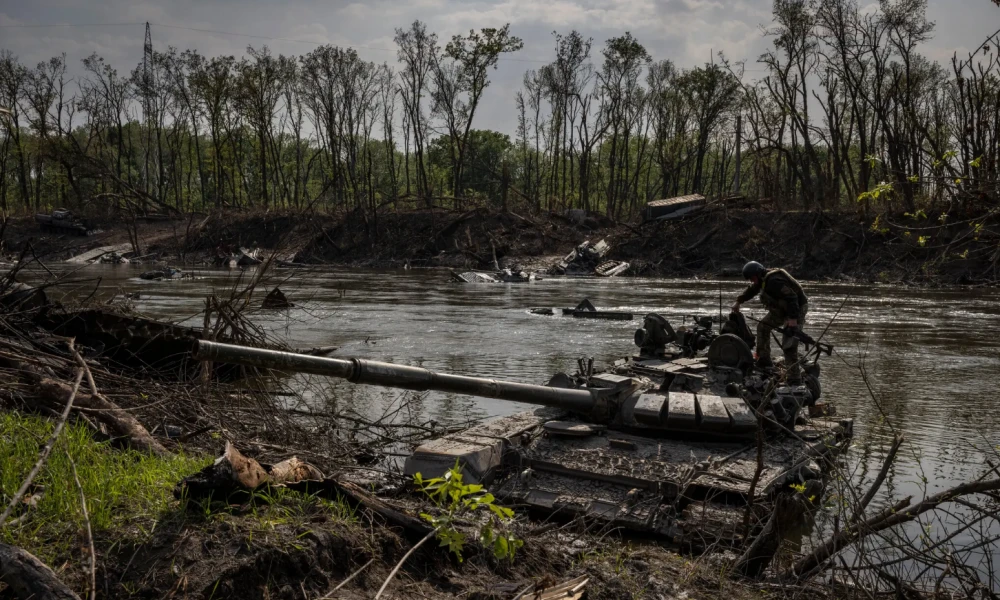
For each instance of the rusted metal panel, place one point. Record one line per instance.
(650, 409)
(743, 418)
(714, 416)
(682, 412)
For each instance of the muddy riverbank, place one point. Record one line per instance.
(906, 249)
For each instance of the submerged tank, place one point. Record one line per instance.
(663, 441)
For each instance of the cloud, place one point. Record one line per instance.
(688, 32)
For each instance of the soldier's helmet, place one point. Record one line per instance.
(753, 269)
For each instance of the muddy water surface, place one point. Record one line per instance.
(932, 356)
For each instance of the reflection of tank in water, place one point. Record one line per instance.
(662, 442)
(63, 221)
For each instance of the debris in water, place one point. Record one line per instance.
(114, 258)
(583, 259)
(248, 258)
(276, 299)
(586, 310)
(159, 274)
(504, 276)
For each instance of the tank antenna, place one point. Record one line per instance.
(720, 306)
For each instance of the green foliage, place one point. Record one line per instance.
(916, 215)
(126, 491)
(455, 499)
(800, 488)
(878, 227)
(883, 188)
(976, 162)
(950, 154)
(871, 159)
(922, 240)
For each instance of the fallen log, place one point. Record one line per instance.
(120, 422)
(30, 578)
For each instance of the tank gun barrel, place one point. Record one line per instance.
(372, 372)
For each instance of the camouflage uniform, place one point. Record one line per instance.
(784, 299)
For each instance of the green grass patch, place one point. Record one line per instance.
(127, 491)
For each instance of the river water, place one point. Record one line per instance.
(932, 356)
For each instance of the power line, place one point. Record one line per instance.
(52, 25)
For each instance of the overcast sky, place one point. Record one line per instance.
(685, 31)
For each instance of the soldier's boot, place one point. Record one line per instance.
(764, 362)
(793, 372)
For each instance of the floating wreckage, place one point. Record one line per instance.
(125, 258)
(504, 276)
(586, 310)
(276, 299)
(663, 442)
(587, 259)
(161, 274)
(611, 268)
(114, 258)
(240, 258)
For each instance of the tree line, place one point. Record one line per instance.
(847, 111)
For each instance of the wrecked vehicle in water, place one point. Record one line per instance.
(663, 442)
(586, 310)
(163, 273)
(504, 276)
(588, 259)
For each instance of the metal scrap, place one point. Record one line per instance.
(588, 259)
(504, 276)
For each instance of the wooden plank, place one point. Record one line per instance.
(714, 416)
(743, 417)
(682, 411)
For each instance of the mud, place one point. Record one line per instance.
(259, 551)
(839, 246)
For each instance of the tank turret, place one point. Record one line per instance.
(617, 401)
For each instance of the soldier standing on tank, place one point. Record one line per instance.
(786, 306)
